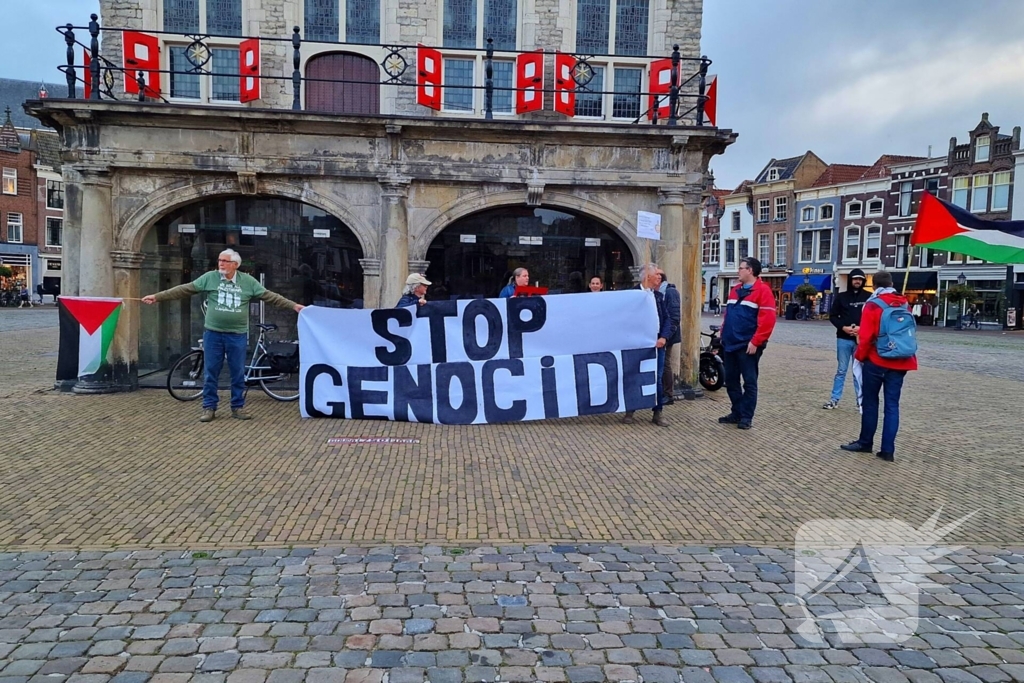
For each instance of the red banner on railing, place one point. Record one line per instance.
(141, 53)
(87, 76)
(529, 82)
(428, 77)
(661, 83)
(249, 70)
(565, 84)
(711, 103)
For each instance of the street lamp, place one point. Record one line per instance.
(961, 280)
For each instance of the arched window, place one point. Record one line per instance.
(852, 252)
(855, 209)
(359, 94)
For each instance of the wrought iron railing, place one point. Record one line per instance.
(685, 90)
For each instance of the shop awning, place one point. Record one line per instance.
(822, 283)
(920, 281)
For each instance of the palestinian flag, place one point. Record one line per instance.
(944, 227)
(87, 327)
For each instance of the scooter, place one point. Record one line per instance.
(712, 367)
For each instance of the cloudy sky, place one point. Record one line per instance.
(850, 80)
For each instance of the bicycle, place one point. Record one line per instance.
(185, 380)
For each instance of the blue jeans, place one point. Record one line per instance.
(890, 384)
(844, 353)
(741, 365)
(217, 345)
(661, 380)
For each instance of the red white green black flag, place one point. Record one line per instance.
(944, 227)
(87, 327)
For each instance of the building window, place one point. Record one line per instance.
(744, 249)
(362, 22)
(54, 195)
(906, 198)
(960, 190)
(931, 185)
(854, 209)
(181, 16)
(901, 251)
(225, 75)
(807, 214)
(927, 258)
(825, 212)
(591, 103)
(763, 210)
(594, 28)
(714, 248)
(872, 242)
(627, 104)
(325, 20)
(14, 223)
(876, 207)
(183, 85)
(954, 257)
(224, 18)
(979, 194)
(730, 253)
(764, 249)
(54, 232)
(825, 245)
(806, 246)
(460, 23)
(10, 181)
(458, 82)
(502, 74)
(852, 244)
(982, 146)
(780, 249)
(773, 174)
(735, 221)
(781, 208)
(212, 17)
(322, 21)
(1001, 191)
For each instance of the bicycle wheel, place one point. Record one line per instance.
(185, 380)
(280, 386)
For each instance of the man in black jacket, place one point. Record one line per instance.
(650, 279)
(674, 307)
(845, 316)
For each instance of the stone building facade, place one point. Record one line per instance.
(337, 208)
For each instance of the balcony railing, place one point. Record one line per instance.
(685, 96)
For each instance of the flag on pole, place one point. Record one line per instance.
(87, 327)
(941, 226)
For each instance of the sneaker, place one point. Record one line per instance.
(208, 415)
(744, 424)
(628, 419)
(831, 405)
(240, 414)
(886, 456)
(659, 419)
(729, 419)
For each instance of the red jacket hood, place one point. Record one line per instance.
(892, 299)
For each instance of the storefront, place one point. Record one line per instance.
(820, 281)
(921, 292)
(19, 258)
(50, 267)
(989, 285)
(1014, 319)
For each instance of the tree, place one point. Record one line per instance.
(805, 291)
(960, 294)
(6, 271)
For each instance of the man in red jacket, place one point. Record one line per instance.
(879, 374)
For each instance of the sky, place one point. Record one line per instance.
(850, 80)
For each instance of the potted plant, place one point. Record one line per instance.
(959, 295)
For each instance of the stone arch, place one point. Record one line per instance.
(481, 200)
(136, 224)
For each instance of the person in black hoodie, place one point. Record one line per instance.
(845, 316)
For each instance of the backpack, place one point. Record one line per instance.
(897, 332)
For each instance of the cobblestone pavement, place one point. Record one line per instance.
(536, 613)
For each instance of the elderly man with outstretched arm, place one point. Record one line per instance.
(227, 293)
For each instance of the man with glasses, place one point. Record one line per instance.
(228, 293)
(747, 323)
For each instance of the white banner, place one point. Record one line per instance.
(481, 360)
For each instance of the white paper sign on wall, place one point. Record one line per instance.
(467, 239)
(648, 225)
(187, 227)
(248, 230)
(321, 232)
(262, 230)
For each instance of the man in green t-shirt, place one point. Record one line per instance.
(227, 295)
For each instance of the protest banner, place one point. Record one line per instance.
(481, 360)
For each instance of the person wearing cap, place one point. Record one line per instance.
(845, 316)
(415, 291)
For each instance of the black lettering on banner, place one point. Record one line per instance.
(584, 401)
(415, 394)
(403, 347)
(337, 407)
(481, 307)
(360, 397)
(436, 312)
(492, 413)
(538, 309)
(548, 386)
(633, 381)
(466, 412)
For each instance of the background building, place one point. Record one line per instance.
(736, 236)
(714, 208)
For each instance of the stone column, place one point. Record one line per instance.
(124, 350)
(95, 266)
(394, 222)
(371, 282)
(71, 253)
(680, 258)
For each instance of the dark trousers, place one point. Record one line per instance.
(739, 365)
(875, 380)
(216, 347)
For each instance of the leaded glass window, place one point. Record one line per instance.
(589, 101)
(458, 72)
(184, 85)
(502, 76)
(322, 20)
(181, 16)
(460, 23)
(592, 19)
(225, 74)
(627, 106)
(224, 17)
(631, 27)
(362, 21)
(500, 23)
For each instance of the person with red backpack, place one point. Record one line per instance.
(887, 350)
